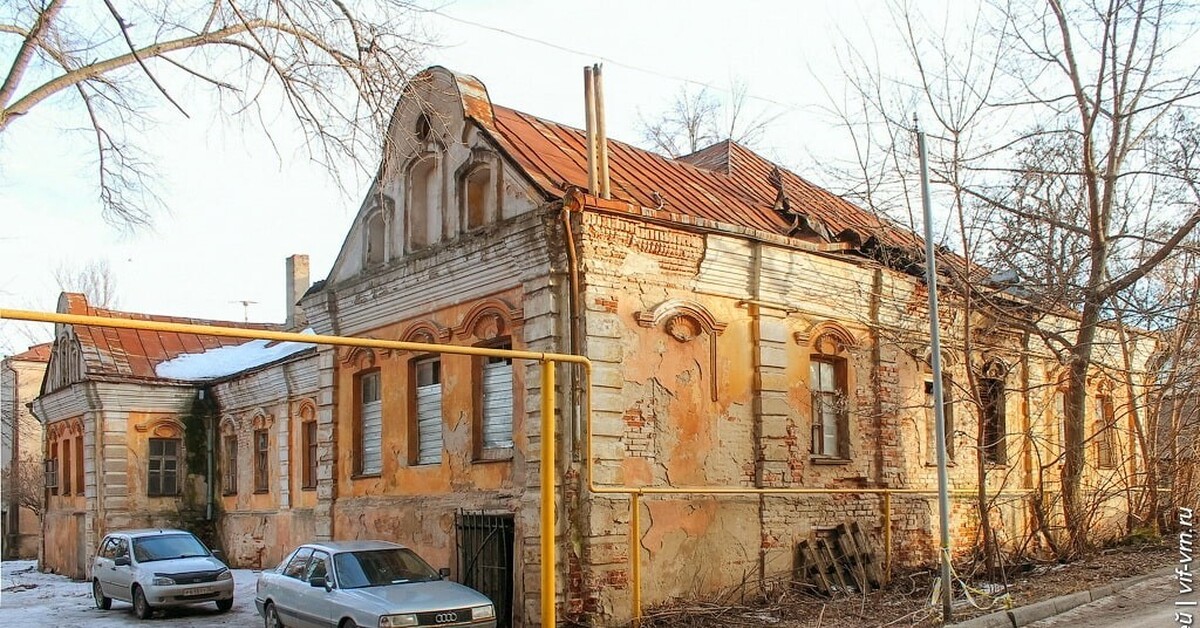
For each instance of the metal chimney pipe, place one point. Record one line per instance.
(589, 101)
(605, 191)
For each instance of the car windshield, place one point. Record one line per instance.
(374, 568)
(167, 546)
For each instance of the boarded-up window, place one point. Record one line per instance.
(230, 477)
(827, 381)
(496, 402)
(428, 404)
(478, 197)
(1106, 433)
(376, 239)
(66, 467)
(262, 473)
(308, 444)
(947, 419)
(51, 466)
(370, 413)
(991, 394)
(79, 465)
(162, 472)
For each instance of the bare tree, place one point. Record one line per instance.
(697, 118)
(25, 478)
(94, 279)
(1079, 168)
(335, 67)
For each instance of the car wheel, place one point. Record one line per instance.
(103, 602)
(141, 607)
(224, 605)
(271, 617)
(347, 623)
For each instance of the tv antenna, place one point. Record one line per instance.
(245, 308)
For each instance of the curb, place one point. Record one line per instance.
(1025, 615)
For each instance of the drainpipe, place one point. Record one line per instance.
(212, 428)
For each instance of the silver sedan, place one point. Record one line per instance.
(365, 584)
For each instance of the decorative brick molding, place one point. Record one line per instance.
(489, 319)
(684, 321)
(425, 331)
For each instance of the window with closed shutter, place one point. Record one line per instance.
(262, 475)
(231, 465)
(497, 403)
(429, 410)
(371, 436)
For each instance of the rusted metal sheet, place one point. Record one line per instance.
(136, 353)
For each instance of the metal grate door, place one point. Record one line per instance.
(485, 559)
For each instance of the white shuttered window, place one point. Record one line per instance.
(429, 411)
(497, 403)
(371, 413)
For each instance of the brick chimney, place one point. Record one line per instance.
(297, 285)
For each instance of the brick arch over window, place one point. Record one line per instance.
(684, 321)
(229, 425)
(166, 427)
(827, 338)
(425, 331)
(262, 420)
(306, 409)
(490, 319)
(360, 358)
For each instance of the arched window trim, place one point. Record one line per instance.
(680, 319)
(435, 152)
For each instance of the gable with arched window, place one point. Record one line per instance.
(478, 190)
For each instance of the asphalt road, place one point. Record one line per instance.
(1148, 604)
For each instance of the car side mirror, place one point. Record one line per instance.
(444, 572)
(121, 561)
(321, 582)
(218, 554)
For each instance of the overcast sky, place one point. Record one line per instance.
(236, 209)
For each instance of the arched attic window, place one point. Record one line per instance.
(424, 202)
(376, 239)
(478, 191)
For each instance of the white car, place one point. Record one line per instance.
(156, 568)
(365, 584)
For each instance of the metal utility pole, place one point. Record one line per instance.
(935, 358)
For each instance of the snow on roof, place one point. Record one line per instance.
(224, 361)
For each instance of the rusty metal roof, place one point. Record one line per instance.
(130, 353)
(726, 183)
(36, 353)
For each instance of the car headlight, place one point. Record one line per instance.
(225, 575)
(483, 612)
(162, 581)
(397, 621)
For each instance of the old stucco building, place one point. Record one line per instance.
(746, 329)
(21, 453)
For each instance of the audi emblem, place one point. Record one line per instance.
(446, 618)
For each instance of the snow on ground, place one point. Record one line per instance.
(224, 361)
(29, 598)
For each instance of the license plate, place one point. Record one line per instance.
(197, 591)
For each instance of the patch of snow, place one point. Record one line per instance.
(224, 361)
(31, 598)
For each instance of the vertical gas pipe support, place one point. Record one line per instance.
(635, 554)
(548, 481)
(887, 537)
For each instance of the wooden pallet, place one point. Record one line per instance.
(840, 562)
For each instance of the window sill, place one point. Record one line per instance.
(229, 494)
(366, 476)
(308, 488)
(828, 460)
(495, 455)
(933, 465)
(261, 491)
